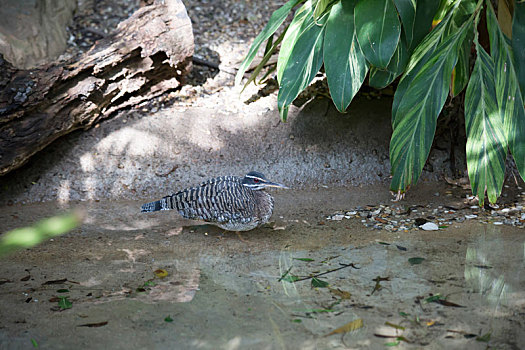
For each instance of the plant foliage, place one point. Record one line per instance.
(429, 45)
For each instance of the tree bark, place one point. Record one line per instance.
(147, 55)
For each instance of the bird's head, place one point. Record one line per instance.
(257, 181)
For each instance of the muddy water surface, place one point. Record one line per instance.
(222, 292)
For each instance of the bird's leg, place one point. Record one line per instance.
(240, 237)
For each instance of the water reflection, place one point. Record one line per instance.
(494, 264)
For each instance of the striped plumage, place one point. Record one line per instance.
(230, 202)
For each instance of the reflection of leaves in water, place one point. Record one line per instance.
(482, 274)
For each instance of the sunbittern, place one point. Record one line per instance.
(231, 202)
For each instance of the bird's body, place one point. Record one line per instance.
(230, 202)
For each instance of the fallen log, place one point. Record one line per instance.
(147, 55)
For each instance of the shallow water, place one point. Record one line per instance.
(224, 293)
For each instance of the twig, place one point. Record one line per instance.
(285, 274)
(327, 272)
(202, 62)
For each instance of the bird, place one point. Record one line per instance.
(232, 203)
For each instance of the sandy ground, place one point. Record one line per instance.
(223, 293)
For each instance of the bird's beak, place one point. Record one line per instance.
(275, 184)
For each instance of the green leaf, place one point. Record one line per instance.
(64, 302)
(290, 278)
(304, 259)
(420, 57)
(508, 95)
(317, 283)
(269, 52)
(344, 63)
(486, 143)
(30, 236)
(63, 291)
(276, 19)
(168, 319)
(380, 78)
(304, 62)
(393, 343)
(434, 298)
(518, 43)
(290, 38)
(296, 320)
(485, 338)
(425, 12)
(460, 75)
(34, 343)
(416, 261)
(378, 30)
(322, 7)
(415, 120)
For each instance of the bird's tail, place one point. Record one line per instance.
(162, 204)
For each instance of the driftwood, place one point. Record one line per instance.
(147, 55)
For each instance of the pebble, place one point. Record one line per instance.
(402, 218)
(429, 226)
(338, 217)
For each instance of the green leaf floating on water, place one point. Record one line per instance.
(317, 283)
(416, 261)
(304, 259)
(64, 302)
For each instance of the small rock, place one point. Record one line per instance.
(429, 226)
(497, 223)
(472, 216)
(338, 217)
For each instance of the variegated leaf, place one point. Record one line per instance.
(486, 142)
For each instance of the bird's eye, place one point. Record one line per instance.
(256, 180)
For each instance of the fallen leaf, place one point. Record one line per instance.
(430, 323)
(97, 324)
(340, 293)
(168, 319)
(160, 273)
(393, 343)
(317, 283)
(26, 278)
(64, 303)
(484, 338)
(290, 278)
(349, 327)
(445, 302)
(396, 326)
(60, 281)
(304, 259)
(416, 261)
